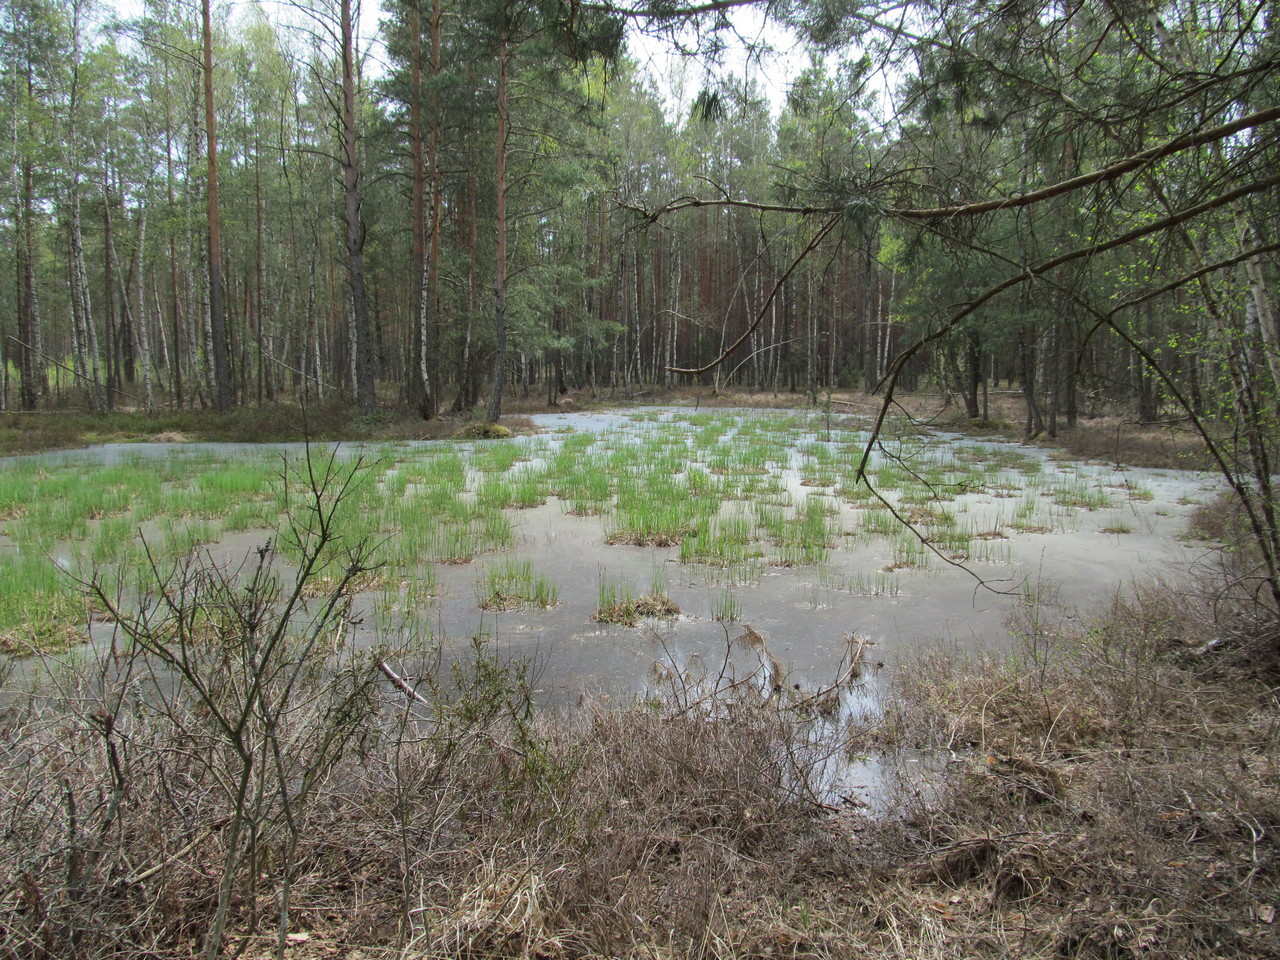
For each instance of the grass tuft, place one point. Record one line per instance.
(616, 605)
(513, 585)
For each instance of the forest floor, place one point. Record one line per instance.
(1109, 437)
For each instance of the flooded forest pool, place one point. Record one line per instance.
(735, 518)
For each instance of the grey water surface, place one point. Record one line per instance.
(805, 612)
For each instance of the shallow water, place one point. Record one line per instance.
(1041, 524)
(805, 612)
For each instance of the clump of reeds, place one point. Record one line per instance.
(513, 585)
(621, 608)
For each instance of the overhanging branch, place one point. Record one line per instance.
(1110, 172)
(891, 378)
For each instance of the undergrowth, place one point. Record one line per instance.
(1111, 788)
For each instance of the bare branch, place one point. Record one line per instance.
(891, 378)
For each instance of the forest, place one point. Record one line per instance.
(214, 206)
(970, 650)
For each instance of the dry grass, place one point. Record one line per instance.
(271, 423)
(1117, 440)
(367, 582)
(1109, 438)
(1113, 793)
(1106, 792)
(16, 643)
(640, 538)
(632, 611)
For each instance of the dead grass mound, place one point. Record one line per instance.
(649, 538)
(484, 431)
(1110, 795)
(631, 611)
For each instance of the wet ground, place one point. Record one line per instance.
(1030, 524)
(807, 612)
(1027, 542)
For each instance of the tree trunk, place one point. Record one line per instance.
(419, 385)
(175, 345)
(973, 371)
(468, 390)
(114, 334)
(263, 381)
(217, 312)
(140, 310)
(82, 310)
(1053, 371)
(1260, 300)
(33, 383)
(1070, 386)
(500, 280)
(1027, 358)
(430, 321)
(366, 397)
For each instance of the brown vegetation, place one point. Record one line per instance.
(1110, 438)
(1111, 789)
(1121, 441)
(271, 423)
(630, 611)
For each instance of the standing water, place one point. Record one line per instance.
(737, 518)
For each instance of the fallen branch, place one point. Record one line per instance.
(150, 872)
(403, 685)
